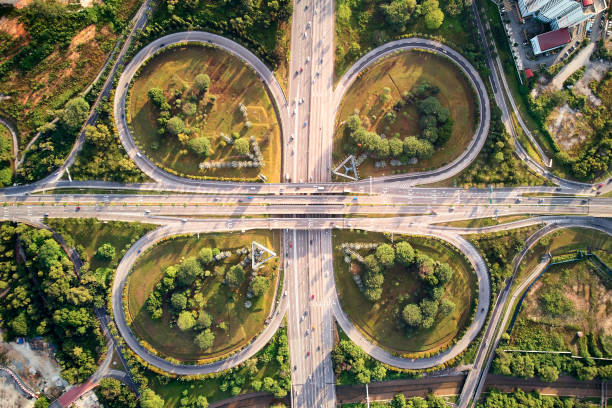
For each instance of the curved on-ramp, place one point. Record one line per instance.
(147, 166)
(482, 129)
(123, 270)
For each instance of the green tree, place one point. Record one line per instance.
(412, 315)
(189, 109)
(188, 271)
(396, 146)
(185, 320)
(397, 13)
(235, 276)
(399, 401)
(6, 176)
(205, 339)
(241, 146)
(178, 301)
(353, 123)
(548, 373)
(75, 113)
(259, 285)
(158, 98)
(202, 82)
(204, 319)
(106, 252)
(175, 126)
(404, 253)
(444, 272)
(386, 255)
(447, 307)
(434, 19)
(149, 399)
(200, 145)
(205, 256)
(453, 7)
(41, 402)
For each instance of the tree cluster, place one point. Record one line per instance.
(434, 275)
(399, 13)
(432, 401)
(519, 398)
(46, 298)
(51, 148)
(435, 121)
(351, 359)
(258, 24)
(180, 290)
(114, 394)
(496, 162)
(103, 156)
(174, 113)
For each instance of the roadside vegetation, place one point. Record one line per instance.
(100, 245)
(198, 299)
(404, 294)
(518, 398)
(267, 371)
(411, 111)
(566, 310)
(43, 296)
(114, 394)
(51, 53)
(6, 157)
(263, 26)
(200, 111)
(498, 250)
(103, 156)
(362, 25)
(400, 401)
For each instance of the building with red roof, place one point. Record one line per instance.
(550, 40)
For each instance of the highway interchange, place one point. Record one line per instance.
(308, 206)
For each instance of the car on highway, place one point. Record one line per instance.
(290, 245)
(312, 296)
(78, 208)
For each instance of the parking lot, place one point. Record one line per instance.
(520, 31)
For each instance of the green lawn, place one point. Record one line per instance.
(222, 303)
(378, 321)
(361, 27)
(90, 234)
(232, 83)
(401, 73)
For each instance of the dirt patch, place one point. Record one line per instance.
(595, 71)
(13, 27)
(37, 368)
(87, 34)
(88, 400)
(568, 127)
(10, 397)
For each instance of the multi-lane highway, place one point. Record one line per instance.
(307, 206)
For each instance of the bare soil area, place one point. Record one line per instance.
(595, 71)
(12, 27)
(568, 127)
(37, 368)
(10, 397)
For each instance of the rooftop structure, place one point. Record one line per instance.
(550, 40)
(560, 13)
